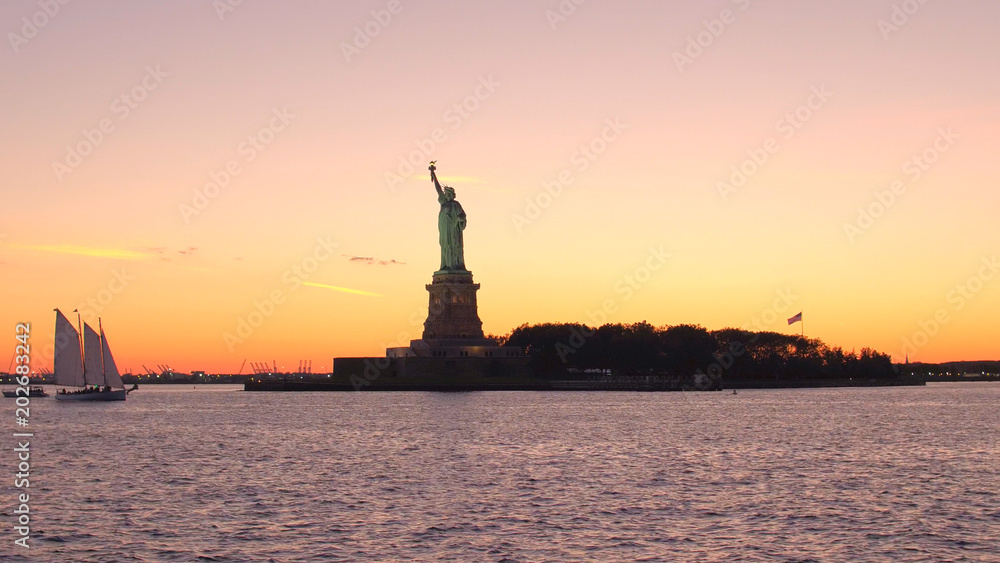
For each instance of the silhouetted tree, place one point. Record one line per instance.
(564, 349)
(687, 349)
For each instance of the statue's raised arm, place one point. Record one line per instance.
(434, 178)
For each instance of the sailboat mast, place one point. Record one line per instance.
(104, 371)
(83, 363)
(54, 374)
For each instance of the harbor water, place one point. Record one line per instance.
(213, 473)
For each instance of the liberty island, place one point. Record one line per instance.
(453, 353)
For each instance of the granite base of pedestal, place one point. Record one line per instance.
(452, 311)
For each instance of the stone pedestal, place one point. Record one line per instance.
(453, 312)
(453, 328)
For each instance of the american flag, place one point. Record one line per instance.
(795, 319)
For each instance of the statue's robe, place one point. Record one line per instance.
(451, 223)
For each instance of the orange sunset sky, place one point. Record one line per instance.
(838, 158)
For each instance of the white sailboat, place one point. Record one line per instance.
(88, 367)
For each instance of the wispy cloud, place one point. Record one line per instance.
(3, 236)
(343, 289)
(476, 184)
(373, 261)
(115, 253)
(459, 182)
(160, 251)
(148, 253)
(164, 253)
(460, 179)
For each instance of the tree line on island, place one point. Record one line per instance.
(730, 354)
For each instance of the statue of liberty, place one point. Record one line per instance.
(451, 223)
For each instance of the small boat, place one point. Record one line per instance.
(83, 360)
(33, 391)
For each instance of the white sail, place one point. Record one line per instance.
(93, 373)
(67, 366)
(111, 374)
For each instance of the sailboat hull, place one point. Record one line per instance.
(113, 395)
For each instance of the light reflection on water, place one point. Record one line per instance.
(217, 474)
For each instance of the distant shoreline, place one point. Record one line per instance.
(559, 385)
(295, 382)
